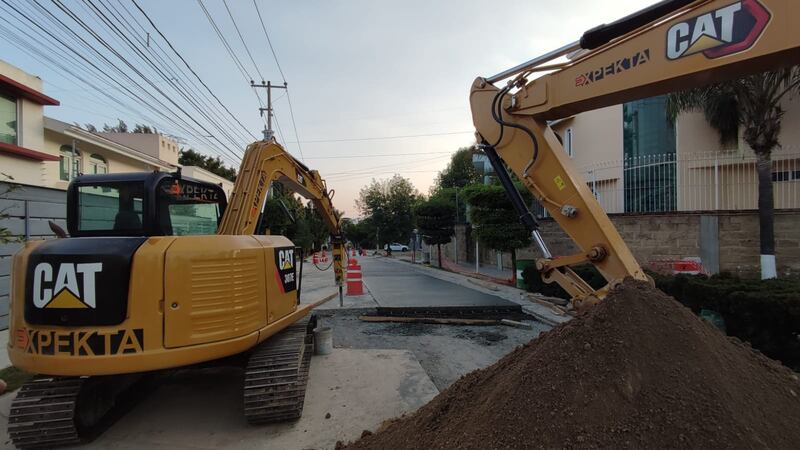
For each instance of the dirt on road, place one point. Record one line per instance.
(637, 371)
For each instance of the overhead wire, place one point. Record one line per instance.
(61, 26)
(283, 78)
(177, 75)
(100, 58)
(138, 72)
(180, 89)
(246, 48)
(384, 138)
(178, 54)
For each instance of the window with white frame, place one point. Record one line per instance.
(97, 164)
(8, 120)
(568, 142)
(69, 163)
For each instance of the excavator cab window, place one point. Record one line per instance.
(188, 208)
(117, 207)
(143, 204)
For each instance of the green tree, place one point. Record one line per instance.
(435, 221)
(189, 157)
(495, 222)
(460, 171)
(144, 129)
(389, 206)
(120, 127)
(754, 104)
(357, 232)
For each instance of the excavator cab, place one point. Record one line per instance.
(143, 204)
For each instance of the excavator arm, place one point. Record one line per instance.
(265, 162)
(672, 45)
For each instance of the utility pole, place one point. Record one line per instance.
(268, 133)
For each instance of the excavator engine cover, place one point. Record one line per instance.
(79, 281)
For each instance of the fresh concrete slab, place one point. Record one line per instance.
(398, 285)
(542, 313)
(319, 284)
(355, 389)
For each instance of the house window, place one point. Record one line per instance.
(97, 164)
(568, 142)
(8, 120)
(69, 164)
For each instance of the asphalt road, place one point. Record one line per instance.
(396, 285)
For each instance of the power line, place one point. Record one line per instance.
(60, 25)
(225, 43)
(264, 27)
(203, 111)
(193, 72)
(245, 74)
(280, 70)
(105, 44)
(246, 49)
(375, 155)
(383, 138)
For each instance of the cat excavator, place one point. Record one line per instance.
(161, 272)
(671, 45)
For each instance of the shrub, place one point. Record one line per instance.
(765, 313)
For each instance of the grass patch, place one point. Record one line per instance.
(14, 377)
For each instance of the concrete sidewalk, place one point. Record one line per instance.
(355, 389)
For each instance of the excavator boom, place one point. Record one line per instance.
(672, 45)
(265, 162)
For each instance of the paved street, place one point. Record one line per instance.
(397, 285)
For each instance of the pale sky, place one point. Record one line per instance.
(356, 69)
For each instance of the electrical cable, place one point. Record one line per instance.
(185, 63)
(105, 44)
(126, 91)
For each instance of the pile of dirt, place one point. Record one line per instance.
(637, 371)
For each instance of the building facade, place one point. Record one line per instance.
(40, 151)
(636, 160)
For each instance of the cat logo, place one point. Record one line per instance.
(285, 269)
(286, 259)
(65, 291)
(731, 29)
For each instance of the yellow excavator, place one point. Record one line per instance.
(671, 45)
(159, 272)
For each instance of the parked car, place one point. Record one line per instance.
(395, 247)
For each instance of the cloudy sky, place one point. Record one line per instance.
(360, 73)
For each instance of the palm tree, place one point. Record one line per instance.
(753, 103)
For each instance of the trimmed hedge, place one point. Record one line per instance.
(764, 313)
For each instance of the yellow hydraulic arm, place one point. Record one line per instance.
(672, 45)
(265, 162)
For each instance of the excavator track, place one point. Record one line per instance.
(277, 373)
(56, 411)
(43, 413)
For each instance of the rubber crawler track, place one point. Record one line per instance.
(277, 373)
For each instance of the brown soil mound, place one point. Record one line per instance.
(637, 371)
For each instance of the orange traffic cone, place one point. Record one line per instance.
(315, 259)
(355, 285)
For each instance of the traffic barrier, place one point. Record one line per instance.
(355, 285)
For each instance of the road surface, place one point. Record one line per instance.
(397, 285)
